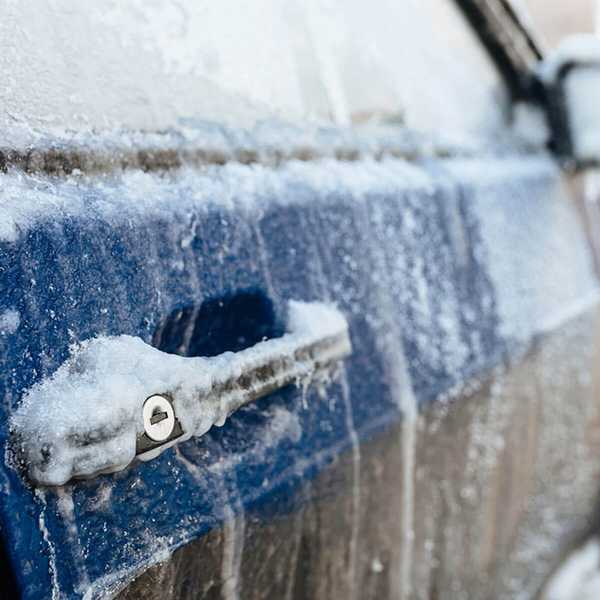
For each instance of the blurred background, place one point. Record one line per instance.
(558, 18)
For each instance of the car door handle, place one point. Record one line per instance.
(117, 399)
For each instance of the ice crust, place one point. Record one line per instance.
(85, 418)
(138, 196)
(578, 578)
(10, 320)
(581, 48)
(581, 90)
(512, 208)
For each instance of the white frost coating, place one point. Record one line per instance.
(140, 197)
(41, 497)
(86, 417)
(529, 124)
(579, 577)
(9, 321)
(556, 283)
(282, 425)
(148, 65)
(581, 90)
(581, 48)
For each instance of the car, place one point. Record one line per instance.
(297, 300)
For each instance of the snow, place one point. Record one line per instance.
(503, 197)
(29, 200)
(556, 282)
(581, 49)
(581, 89)
(529, 124)
(10, 320)
(578, 578)
(86, 417)
(148, 67)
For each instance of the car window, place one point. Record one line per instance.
(556, 19)
(415, 61)
(148, 65)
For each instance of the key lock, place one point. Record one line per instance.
(160, 424)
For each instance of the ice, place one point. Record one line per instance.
(27, 201)
(85, 418)
(582, 48)
(282, 425)
(556, 283)
(40, 496)
(10, 320)
(474, 212)
(530, 124)
(578, 578)
(583, 98)
(581, 90)
(136, 68)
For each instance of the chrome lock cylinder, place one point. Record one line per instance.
(161, 426)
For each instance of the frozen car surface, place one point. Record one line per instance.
(157, 221)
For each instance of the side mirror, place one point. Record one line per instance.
(570, 85)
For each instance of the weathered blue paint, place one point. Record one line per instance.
(75, 277)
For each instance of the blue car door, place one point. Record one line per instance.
(435, 258)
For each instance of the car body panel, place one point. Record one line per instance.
(440, 267)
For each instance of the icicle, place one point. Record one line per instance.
(41, 497)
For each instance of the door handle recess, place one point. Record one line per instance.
(117, 398)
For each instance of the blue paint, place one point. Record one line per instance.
(77, 277)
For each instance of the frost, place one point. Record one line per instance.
(85, 418)
(579, 577)
(376, 566)
(530, 124)
(9, 321)
(583, 98)
(556, 282)
(28, 201)
(282, 425)
(581, 48)
(581, 90)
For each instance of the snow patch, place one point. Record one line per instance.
(556, 283)
(581, 48)
(138, 197)
(579, 577)
(10, 320)
(529, 124)
(581, 90)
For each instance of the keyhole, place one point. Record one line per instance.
(159, 418)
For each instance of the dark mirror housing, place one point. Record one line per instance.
(569, 84)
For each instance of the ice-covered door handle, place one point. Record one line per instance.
(117, 398)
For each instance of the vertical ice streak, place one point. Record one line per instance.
(392, 347)
(41, 496)
(355, 445)
(233, 548)
(234, 528)
(322, 282)
(405, 397)
(66, 510)
(263, 258)
(592, 208)
(297, 538)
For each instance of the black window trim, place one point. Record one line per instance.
(511, 43)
